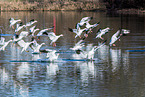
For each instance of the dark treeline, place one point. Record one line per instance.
(120, 4)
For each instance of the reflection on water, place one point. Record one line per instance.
(114, 73)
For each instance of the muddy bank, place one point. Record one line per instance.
(52, 6)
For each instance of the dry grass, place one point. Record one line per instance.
(20, 6)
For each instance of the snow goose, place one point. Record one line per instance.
(4, 45)
(102, 32)
(19, 27)
(83, 21)
(78, 31)
(53, 37)
(51, 55)
(36, 47)
(13, 22)
(114, 38)
(125, 32)
(2, 40)
(44, 31)
(90, 53)
(89, 26)
(33, 30)
(20, 36)
(31, 22)
(78, 46)
(26, 45)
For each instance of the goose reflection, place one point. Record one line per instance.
(52, 69)
(115, 55)
(103, 53)
(23, 70)
(119, 59)
(20, 89)
(35, 57)
(4, 76)
(87, 69)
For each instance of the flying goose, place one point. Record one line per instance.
(114, 38)
(13, 22)
(102, 32)
(53, 37)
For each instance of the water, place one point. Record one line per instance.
(116, 72)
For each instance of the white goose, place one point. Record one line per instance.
(78, 31)
(114, 38)
(4, 45)
(89, 26)
(41, 32)
(36, 47)
(78, 46)
(90, 54)
(124, 31)
(83, 21)
(51, 55)
(13, 22)
(90, 51)
(19, 27)
(33, 30)
(31, 22)
(2, 41)
(53, 37)
(25, 45)
(102, 32)
(22, 34)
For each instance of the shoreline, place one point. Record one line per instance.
(64, 6)
(52, 6)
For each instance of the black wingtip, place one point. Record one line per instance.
(98, 23)
(91, 17)
(78, 51)
(32, 20)
(45, 33)
(105, 41)
(70, 29)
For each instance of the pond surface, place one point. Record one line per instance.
(116, 72)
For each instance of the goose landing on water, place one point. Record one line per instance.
(114, 38)
(102, 32)
(53, 38)
(78, 31)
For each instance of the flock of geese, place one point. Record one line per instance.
(82, 30)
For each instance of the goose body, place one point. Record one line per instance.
(31, 22)
(89, 26)
(19, 27)
(22, 34)
(51, 55)
(4, 45)
(114, 38)
(33, 30)
(102, 32)
(26, 45)
(36, 48)
(13, 21)
(53, 37)
(41, 32)
(2, 41)
(83, 21)
(78, 46)
(78, 31)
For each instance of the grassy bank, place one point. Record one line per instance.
(52, 6)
